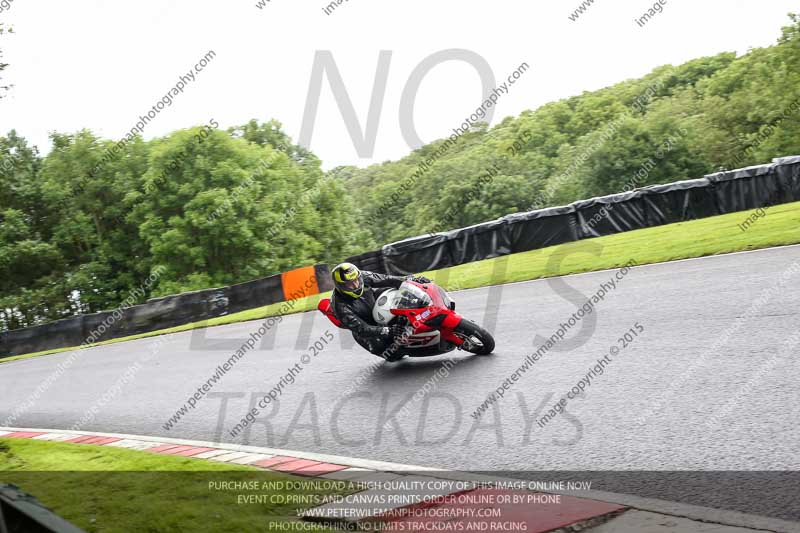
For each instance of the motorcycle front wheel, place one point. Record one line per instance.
(476, 339)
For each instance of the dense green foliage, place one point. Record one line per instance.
(3, 88)
(80, 230)
(204, 207)
(675, 123)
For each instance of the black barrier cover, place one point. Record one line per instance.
(788, 171)
(154, 315)
(254, 294)
(482, 241)
(371, 261)
(542, 228)
(791, 178)
(607, 215)
(418, 254)
(747, 188)
(176, 310)
(323, 275)
(716, 194)
(679, 202)
(66, 332)
(93, 325)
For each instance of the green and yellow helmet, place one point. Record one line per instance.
(348, 279)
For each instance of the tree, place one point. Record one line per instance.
(235, 208)
(677, 122)
(4, 87)
(271, 134)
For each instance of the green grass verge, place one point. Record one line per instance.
(109, 490)
(683, 240)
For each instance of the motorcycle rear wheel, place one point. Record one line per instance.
(480, 341)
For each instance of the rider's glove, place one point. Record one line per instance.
(420, 279)
(393, 331)
(397, 330)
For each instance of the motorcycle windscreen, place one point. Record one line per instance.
(412, 297)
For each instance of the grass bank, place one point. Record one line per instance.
(110, 490)
(684, 240)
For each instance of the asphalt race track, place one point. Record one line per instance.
(711, 384)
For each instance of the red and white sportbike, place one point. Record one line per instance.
(433, 326)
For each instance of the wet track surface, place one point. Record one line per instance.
(710, 384)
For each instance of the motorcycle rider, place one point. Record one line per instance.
(352, 302)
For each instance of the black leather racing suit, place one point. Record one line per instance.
(356, 313)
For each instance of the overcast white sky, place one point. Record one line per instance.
(101, 64)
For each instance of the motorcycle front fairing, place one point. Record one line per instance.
(427, 307)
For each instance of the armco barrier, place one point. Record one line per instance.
(22, 513)
(715, 194)
(166, 312)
